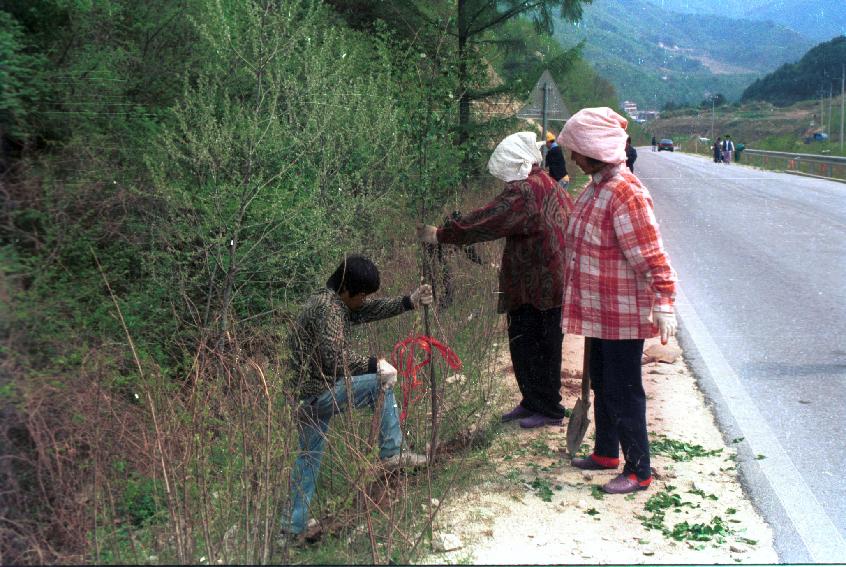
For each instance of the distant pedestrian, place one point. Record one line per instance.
(654, 144)
(620, 289)
(718, 150)
(728, 149)
(555, 163)
(631, 154)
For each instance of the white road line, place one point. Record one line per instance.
(814, 527)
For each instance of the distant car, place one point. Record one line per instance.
(665, 144)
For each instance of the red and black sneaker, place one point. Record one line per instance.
(626, 483)
(596, 462)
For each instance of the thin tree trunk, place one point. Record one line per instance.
(464, 96)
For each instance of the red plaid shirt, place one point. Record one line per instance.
(617, 268)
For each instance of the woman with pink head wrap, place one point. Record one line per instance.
(619, 291)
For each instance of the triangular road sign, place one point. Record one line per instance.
(555, 107)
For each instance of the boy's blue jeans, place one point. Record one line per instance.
(313, 422)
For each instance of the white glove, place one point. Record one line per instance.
(422, 296)
(666, 323)
(387, 373)
(427, 233)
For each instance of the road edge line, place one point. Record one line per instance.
(813, 526)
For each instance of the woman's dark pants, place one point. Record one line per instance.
(619, 404)
(535, 342)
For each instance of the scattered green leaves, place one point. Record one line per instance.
(596, 492)
(665, 500)
(661, 502)
(542, 488)
(703, 494)
(700, 532)
(540, 448)
(680, 450)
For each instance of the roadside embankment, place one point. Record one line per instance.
(534, 508)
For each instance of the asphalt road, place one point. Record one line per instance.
(761, 258)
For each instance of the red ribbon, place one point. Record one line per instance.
(404, 359)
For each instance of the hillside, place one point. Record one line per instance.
(817, 72)
(759, 125)
(176, 179)
(654, 56)
(816, 19)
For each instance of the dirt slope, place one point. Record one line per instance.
(537, 509)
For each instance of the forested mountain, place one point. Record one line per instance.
(818, 71)
(654, 56)
(815, 19)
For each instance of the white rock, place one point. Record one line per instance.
(582, 504)
(736, 549)
(446, 542)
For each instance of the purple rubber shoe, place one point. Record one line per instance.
(517, 413)
(626, 483)
(538, 420)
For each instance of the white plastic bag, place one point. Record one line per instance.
(513, 158)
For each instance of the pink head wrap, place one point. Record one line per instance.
(599, 133)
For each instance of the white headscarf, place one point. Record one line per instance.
(513, 158)
(599, 133)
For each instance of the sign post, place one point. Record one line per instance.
(545, 104)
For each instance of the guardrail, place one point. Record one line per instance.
(811, 164)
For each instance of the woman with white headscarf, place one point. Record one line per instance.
(531, 214)
(620, 290)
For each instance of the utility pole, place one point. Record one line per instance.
(712, 118)
(830, 108)
(822, 109)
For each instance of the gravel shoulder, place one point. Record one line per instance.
(534, 508)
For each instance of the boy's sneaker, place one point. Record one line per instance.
(287, 539)
(405, 459)
(312, 533)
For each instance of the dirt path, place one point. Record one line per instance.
(535, 508)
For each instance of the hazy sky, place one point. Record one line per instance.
(724, 7)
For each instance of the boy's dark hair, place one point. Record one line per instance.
(355, 274)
